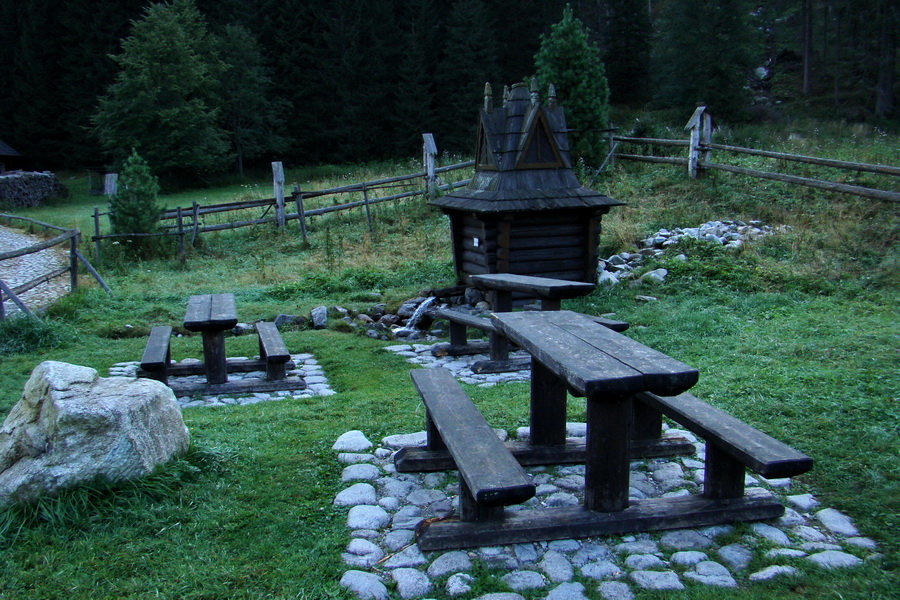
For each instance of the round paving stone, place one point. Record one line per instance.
(603, 569)
(450, 562)
(411, 583)
(773, 572)
(657, 580)
(711, 573)
(357, 494)
(615, 590)
(366, 586)
(524, 580)
(459, 584)
(367, 517)
(556, 566)
(567, 591)
(834, 559)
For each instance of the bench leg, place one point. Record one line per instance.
(723, 477)
(434, 441)
(214, 356)
(499, 342)
(469, 510)
(275, 371)
(647, 422)
(548, 407)
(458, 334)
(608, 461)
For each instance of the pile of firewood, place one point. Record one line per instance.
(27, 188)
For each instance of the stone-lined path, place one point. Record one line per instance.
(383, 561)
(306, 367)
(17, 271)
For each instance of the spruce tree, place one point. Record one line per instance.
(627, 51)
(134, 208)
(164, 102)
(572, 63)
(250, 114)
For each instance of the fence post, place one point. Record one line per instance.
(365, 191)
(278, 182)
(181, 235)
(111, 184)
(298, 199)
(701, 126)
(97, 233)
(429, 152)
(73, 262)
(196, 217)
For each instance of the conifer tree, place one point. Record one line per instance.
(627, 51)
(164, 101)
(134, 208)
(572, 63)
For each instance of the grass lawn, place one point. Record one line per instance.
(797, 335)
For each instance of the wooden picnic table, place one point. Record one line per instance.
(212, 315)
(616, 375)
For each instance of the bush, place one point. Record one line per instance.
(134, 208)
(25, 334)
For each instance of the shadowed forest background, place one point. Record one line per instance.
(318, 81)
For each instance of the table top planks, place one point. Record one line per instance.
(592, 359)
(543, 287)
(211, 312)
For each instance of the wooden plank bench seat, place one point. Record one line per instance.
(490, 477)
(272, 350)
(157, 354)
(731, 445)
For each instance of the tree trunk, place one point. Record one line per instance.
(887, 61)
(807, 46)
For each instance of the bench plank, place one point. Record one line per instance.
(156, 358)
(491, 473)
(273, 350)
(760, 452)
(542, 287)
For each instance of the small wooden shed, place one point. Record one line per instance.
(525, 212)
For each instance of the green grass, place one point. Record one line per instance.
(797, 335)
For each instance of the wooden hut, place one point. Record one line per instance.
(525, 211)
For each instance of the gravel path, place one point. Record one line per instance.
(17, 271)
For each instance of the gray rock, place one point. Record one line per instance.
(396, 442)
(603, 569)
(282, 320)
(809, 534)
(790, 518)
(501, 596)
(657, 580)
(398, 538)
(352, 441)
(556, 566)
(564, 545)
(834, 559)
(357, 494)
(772, 572)
(711, 573)
(411, 583)
(637, 547)
(320, 317)
(407, 517)
(350, 458)
(738, 557)
(804, 502)
(684, 539)
(410, 557)
(423, 497)
(562, 499)
(687, 558)
(862, 542)
(360, 472)
(591, 553)
(367, 517)
(776, 553)
(526, 553)
(573, 483)
(72, 427)
(773, 534)
(524, 580)
(837, 522)
(450, 562)
(459, 584)
(655, 276)
(567, 591)
(366, 586)
(396, 487)
(615, 590)
(644, 562)
(362, 553)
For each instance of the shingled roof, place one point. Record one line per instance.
(522, 160)
(7, 150)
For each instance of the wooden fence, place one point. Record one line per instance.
(68, 236)
(187, 222)
(699, 160)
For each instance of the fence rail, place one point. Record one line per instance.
(70, 237)
(700, 148)
(188, 219)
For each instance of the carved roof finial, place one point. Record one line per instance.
(488, 97)
(505, 94)
(535, 92)
(552, 94)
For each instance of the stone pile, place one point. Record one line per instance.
(384, 507)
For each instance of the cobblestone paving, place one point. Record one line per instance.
(17, 271)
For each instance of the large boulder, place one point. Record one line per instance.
(72, 426)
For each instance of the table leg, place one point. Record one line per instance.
(607, 464)
(499, 342)
(214, 356)
(548, 407)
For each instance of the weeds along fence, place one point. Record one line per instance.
(699, 160)
(187, 223)
(69, 237)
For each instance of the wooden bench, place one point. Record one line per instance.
(157, 354)
(272, 350)
(490, 477)
(731, 445)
